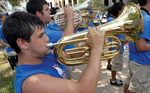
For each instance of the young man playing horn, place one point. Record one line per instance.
(138, 80)
(40, 8)
(38, 71)
(53, 11)
(117, 62)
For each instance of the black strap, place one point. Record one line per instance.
(145, 10)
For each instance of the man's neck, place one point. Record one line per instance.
(25, 59)
(146, 7)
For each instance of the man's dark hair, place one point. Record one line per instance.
(109, 11)
(116, 8)
(35, 5)
(142, 2)
(20, 25)
(53, 11)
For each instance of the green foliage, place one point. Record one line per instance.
(97, 3)
(15, 2)
(81, 1)
(134, 1)
(6, 75)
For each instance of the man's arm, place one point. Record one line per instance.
(142, 45)
(69, 29)
(41, 83)
(3, 43)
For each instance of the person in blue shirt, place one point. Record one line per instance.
(0, 24)
(53, 11)
(38, 71)
(109, 18)
(11, 54)
(117, 62)
(99, 16)
(90, 11)
(109, 15)
(139, 57)
(3, 41)
(105, 15)
(40, 8)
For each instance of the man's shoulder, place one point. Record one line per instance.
(146, 17)
(34, 82)
(48, 29)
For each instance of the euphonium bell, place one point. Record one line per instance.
(129, 24)
(61, 21)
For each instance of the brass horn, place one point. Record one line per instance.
(129, 24)
(61, 21)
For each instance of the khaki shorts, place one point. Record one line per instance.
(138, 77)
(117, 62)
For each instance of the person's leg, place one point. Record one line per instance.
(138, 83)
(109, 61)
(108, 65)
(115, 81)
(126, 87)
(128, 91)
(113, 75)
(117, 64)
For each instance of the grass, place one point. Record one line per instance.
(7, 75)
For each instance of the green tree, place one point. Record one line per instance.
(134, 1)
(97, 3)
(81, 1)
(15, 2)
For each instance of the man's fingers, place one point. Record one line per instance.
(103, 32)
(90, 30)
(67, 6)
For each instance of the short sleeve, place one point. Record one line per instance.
(1, 33)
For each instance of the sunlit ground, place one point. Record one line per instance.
(103, 85)
(6, 75)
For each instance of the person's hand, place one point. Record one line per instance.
(68, 12)
(8, 45)
(96, 38)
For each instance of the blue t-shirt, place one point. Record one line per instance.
(122, 43)
(54, 36)
(141, 57)
(90, 10)
(119, 36)
(109, 19)
(49, 66)
(106, 14)
(99, 16)
(8, 49)
(0, 24)
(53, 26)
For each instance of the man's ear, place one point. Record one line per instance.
(22, 43)
(39, 14)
